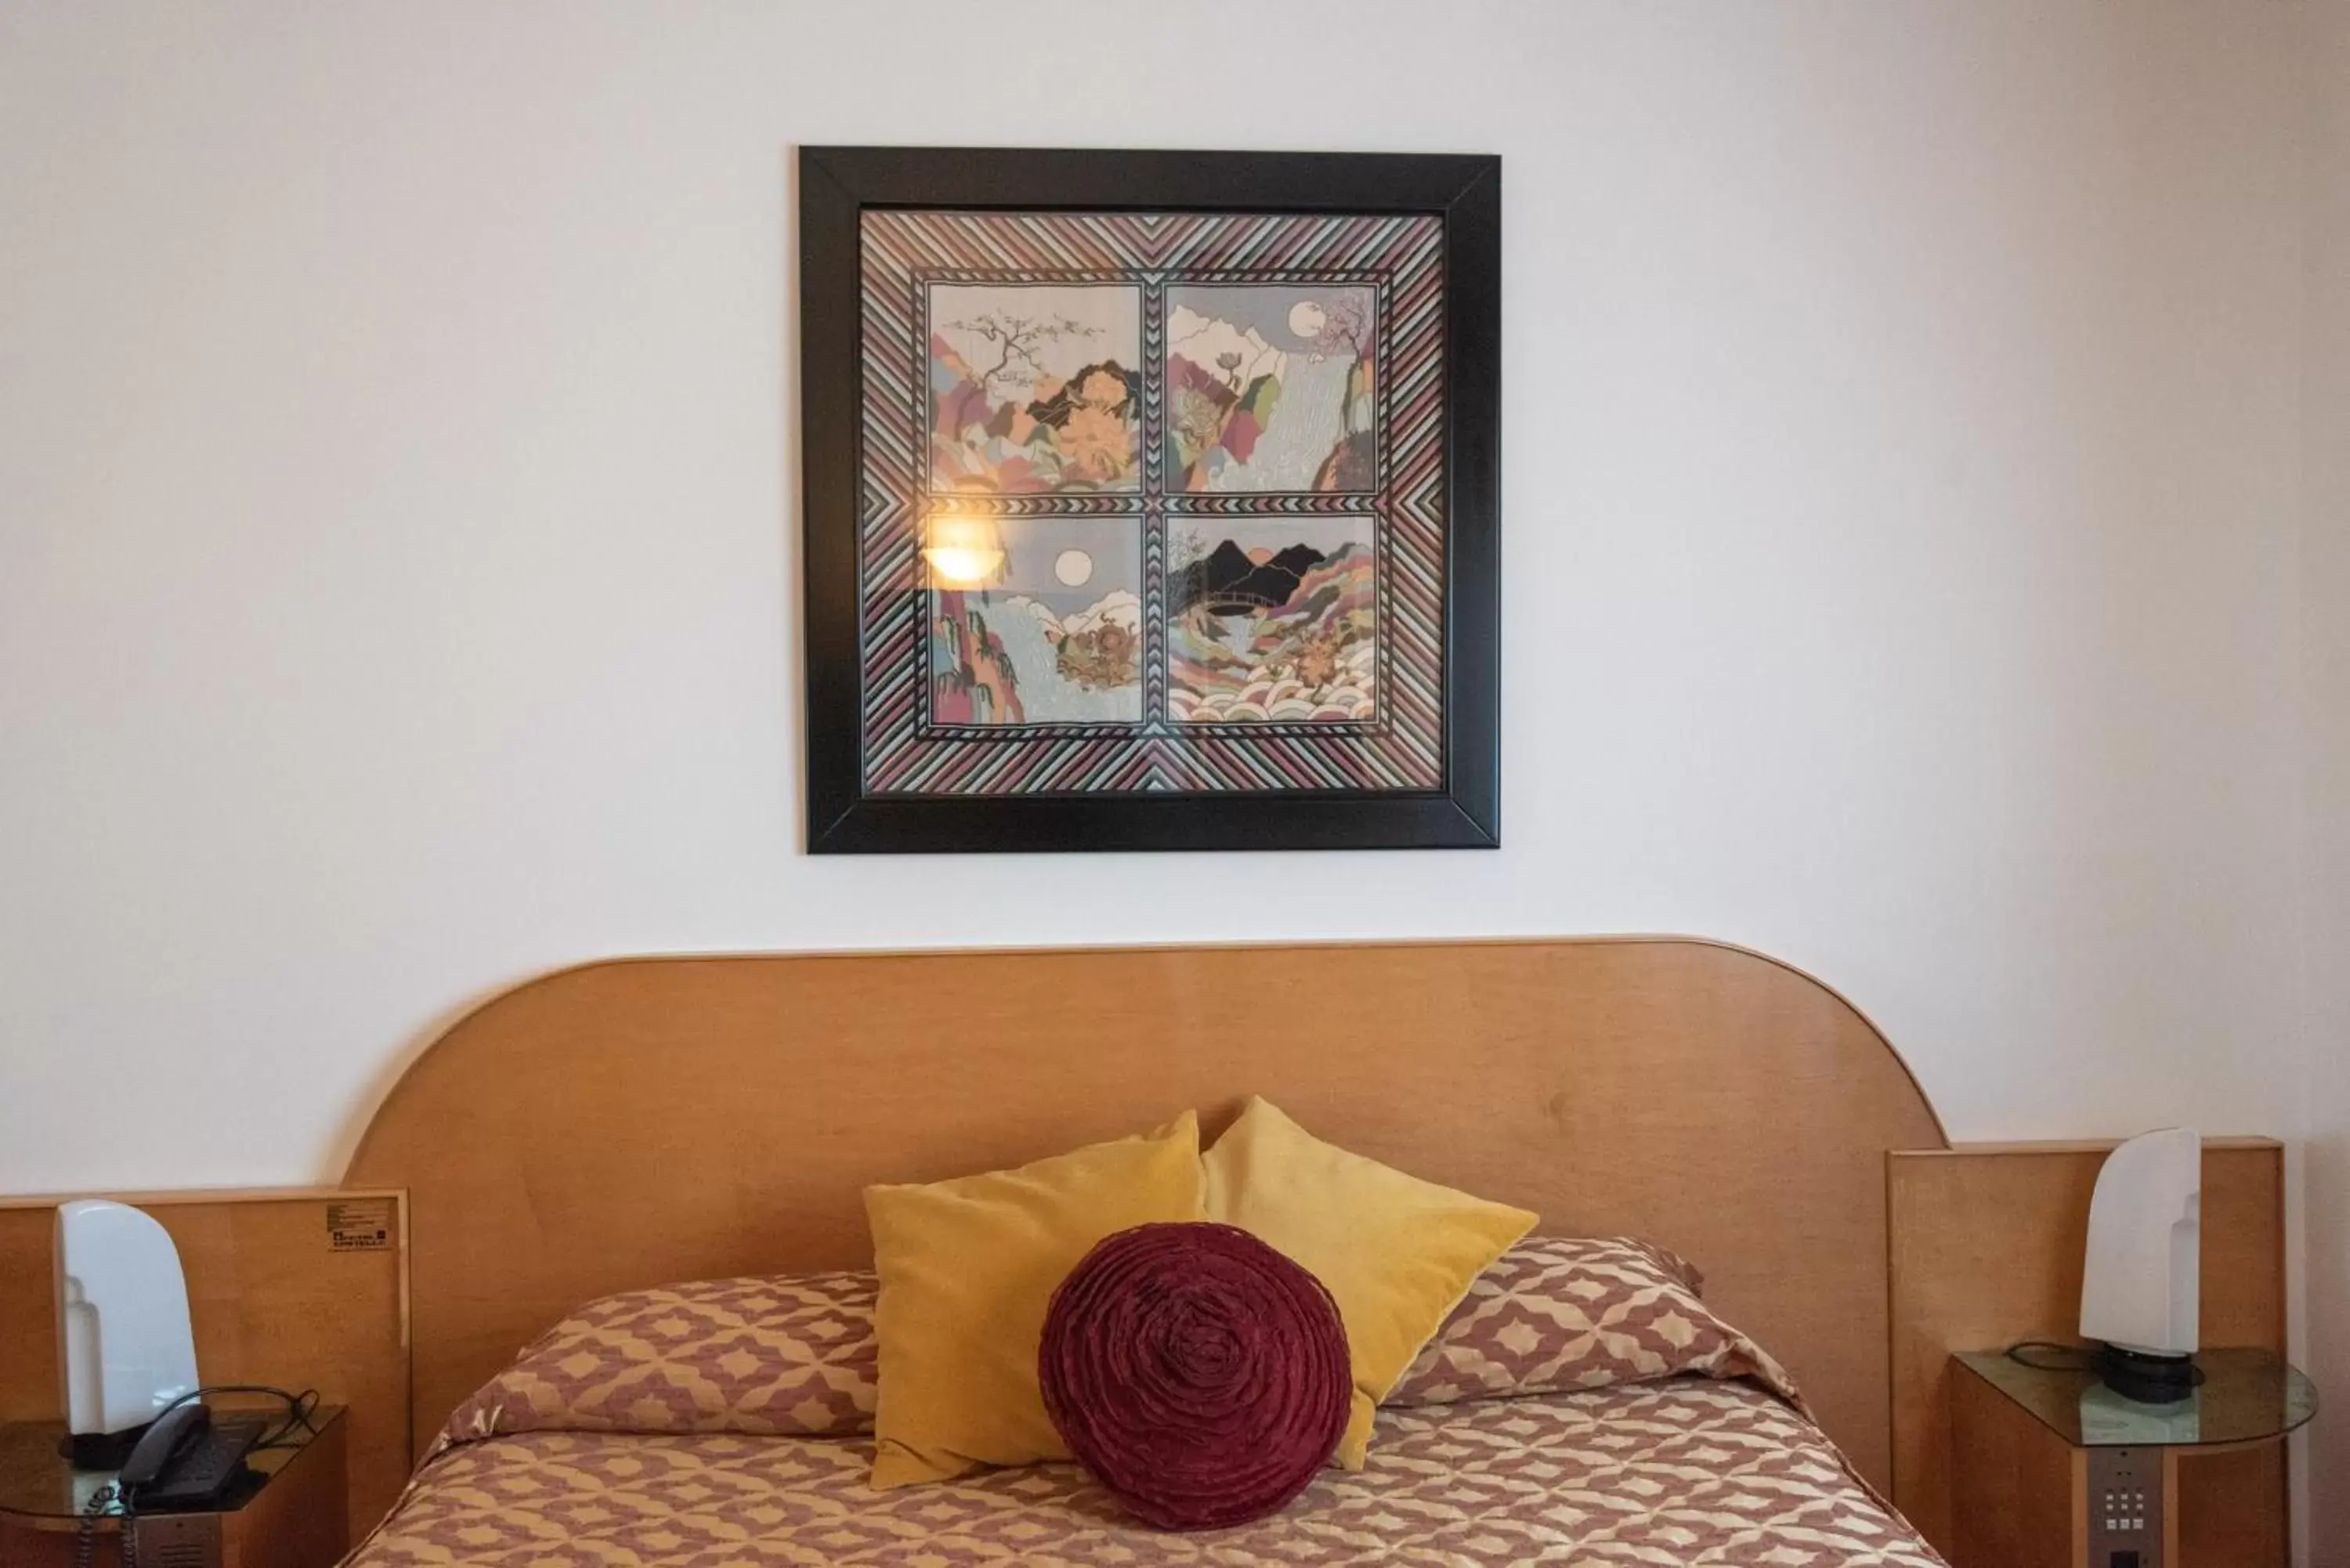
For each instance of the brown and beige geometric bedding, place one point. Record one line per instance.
(1557, 1313)
(795, 1355)
(1685, 1470)
(782, 1356)
(1580, 1405)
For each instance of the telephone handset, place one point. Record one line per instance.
(187, 1461)
(162, 1443)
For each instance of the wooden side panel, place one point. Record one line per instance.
(1987, 1248)
(271, 1301)
(635, 1123)
(48, 1548)
(2234, 1508)
(2018, 1498)
(301, 1519)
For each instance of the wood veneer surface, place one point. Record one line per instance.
(645, 1121)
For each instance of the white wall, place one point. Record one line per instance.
(2326, 624)
(396, 577)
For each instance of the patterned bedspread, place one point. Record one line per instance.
(1685, 1471)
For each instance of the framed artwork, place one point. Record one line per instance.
(1151, 499)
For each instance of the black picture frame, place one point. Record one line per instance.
(838, 184)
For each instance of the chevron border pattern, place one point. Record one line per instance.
(1400, 747)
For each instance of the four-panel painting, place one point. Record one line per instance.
(1151, 504)
(1152, 501)
(1268, 389)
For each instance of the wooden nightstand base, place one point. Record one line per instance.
(2023, 1497)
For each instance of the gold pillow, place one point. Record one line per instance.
(968, 1268)
(1397, 1253)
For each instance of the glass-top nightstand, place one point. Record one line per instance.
(2051, 1466)
(2246, 1397)
(291, 1512)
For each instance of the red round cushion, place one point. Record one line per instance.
(1201, 1377)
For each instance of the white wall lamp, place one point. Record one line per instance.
(2141, 1282)
(125, 1349)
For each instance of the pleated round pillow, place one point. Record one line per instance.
(1198, 1375)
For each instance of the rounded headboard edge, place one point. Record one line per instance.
(357, 1163)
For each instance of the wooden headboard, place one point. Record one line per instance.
(649, 1120)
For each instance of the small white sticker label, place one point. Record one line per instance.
(359, 1225)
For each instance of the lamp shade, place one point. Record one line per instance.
(2141, 1281)
(125, 1350)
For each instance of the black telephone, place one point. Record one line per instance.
(186, 1461)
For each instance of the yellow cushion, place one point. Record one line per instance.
(967, 1270)
(1397, 1253)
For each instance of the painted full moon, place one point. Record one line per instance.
(1308, 319)
(1074, 567)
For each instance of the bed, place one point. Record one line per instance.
(1680, 1472)
(625, 1124)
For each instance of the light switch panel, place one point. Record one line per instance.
(2125, 1508)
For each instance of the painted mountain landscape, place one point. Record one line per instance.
(1274, 622)
(1056, 637)
(1035, 387)
(1270, 388)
